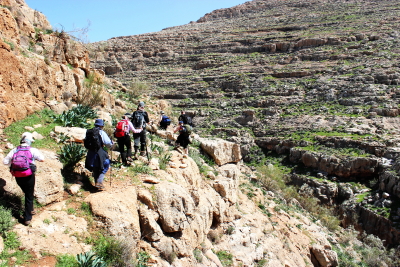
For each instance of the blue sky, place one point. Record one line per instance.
(124, 17)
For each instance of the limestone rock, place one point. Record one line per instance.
(1, 244)
(324, 257)
(49, 185)
(74, 189)
(149, 227)
(37, 136)
(118, 211)
(54, 232)
(221, 151)
(175, 206)
(77, 134)
(145, 197)
(227, 188)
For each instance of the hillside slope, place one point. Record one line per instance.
(316, 82)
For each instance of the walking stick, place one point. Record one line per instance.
(112, 148)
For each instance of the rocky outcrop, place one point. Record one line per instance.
(322, 257)
(38, 65)
(49, 186)
(343, 167)
(118, 211)
(221, 151)
(50, 232)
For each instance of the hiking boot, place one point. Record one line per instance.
(33, 212)
(26, 223)
(99, 186)
(142, 153)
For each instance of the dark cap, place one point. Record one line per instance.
(99, 122)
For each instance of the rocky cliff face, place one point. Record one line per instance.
(40, 67)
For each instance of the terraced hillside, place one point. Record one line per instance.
(315, 84)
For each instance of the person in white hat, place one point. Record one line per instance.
(24, 177)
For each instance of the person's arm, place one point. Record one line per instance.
(130, 126)
(37, 155)
(7, 159)
(146, 117)
(106, 140)
(178, 128)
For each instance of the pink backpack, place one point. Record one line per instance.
(20, 162)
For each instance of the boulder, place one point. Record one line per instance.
(149, 227)
(324, 257)
(175, 206)
(221, 151)
(77, 134)
(49, 185)
(118, 211)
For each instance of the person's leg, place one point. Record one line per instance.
(185, 143)
(96, 174)
(136, 143)
(121, 146)
(128, 147)
(27, 185)
(102, 174)
(143, 143)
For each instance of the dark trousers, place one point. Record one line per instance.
(183, 140)
(123, 142)
(27, 184)
(163, 126)
(140, 138)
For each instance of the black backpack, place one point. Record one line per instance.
(93, 140)
(138, 119)
(186, 119)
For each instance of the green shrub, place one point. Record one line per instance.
(114, 252)
(11, 240)
(198, 255)
(85, 207)
(89, 259)
(141, 168)
(66, 260)
(76, 117)
(71, 154)
(6, 220)
(91, 92)
(142, 259)
(225, 257)
(164, 159)
(137, 88)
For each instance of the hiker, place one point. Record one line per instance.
(183, 137)
(164, 121)
(123, 138)
(185, 118)
(139, 119)
(97, 159)
(22, 165)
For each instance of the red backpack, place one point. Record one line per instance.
(122, 128)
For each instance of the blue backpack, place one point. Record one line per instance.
(165, 120)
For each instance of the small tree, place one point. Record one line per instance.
(91, 92)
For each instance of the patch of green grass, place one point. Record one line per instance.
(66, 260)
(15, 130)
(11, 245)
(225, 257)
(71, 211)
